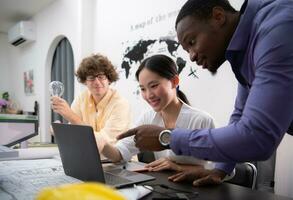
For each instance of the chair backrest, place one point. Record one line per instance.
(245, 175)
(146, 156)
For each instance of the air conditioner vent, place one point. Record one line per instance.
(18, 42)
(22, 33)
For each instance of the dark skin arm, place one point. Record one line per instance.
(146, 137)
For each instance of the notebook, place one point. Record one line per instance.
(80, 157)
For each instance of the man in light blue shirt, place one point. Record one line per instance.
(257, 41)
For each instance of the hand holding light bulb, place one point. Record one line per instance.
(59, 105)
(56, 88)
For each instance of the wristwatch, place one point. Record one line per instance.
(165, 138)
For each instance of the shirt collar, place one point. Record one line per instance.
(241, 35)
(104, 101)
(240, 39)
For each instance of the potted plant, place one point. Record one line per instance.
(3, 105)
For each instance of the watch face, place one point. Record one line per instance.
(166, 137)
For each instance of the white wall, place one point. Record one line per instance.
(284, 167)
(113, 32)
(114, 23)
(5, 66)
(59, 19)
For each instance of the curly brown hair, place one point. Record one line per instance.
(94, 64)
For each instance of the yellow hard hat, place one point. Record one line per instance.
(80, 191)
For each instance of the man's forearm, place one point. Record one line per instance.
(73, 118)
(227, 144)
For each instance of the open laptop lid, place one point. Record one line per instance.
(78, 151)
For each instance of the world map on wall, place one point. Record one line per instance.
(135, 54)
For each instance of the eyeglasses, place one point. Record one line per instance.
(101, 77)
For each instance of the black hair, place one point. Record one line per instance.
(202, 9)
(165, 67)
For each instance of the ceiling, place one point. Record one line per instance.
(13, 11)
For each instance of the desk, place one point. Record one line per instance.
(17, 128)
(225, 191)
(25, 181)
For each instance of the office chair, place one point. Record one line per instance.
(146, 156)
(245, 175)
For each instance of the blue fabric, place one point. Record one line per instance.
(261, 55)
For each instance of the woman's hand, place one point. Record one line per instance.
(163, 164)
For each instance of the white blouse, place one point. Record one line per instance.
(188, 118)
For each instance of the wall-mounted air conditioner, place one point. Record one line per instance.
(23, 32)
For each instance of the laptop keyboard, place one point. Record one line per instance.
(112, 179)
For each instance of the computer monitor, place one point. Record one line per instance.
(15, 129)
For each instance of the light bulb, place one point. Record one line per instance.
(56, 88)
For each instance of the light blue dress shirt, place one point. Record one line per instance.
(261, 55)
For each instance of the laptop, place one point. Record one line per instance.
(81, 159)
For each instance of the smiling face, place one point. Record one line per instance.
(204, 40)
(98, 85)
(157, 91)
(97, 73)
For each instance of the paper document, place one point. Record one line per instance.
(38, 152)
(23, 179)
(33, 153)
